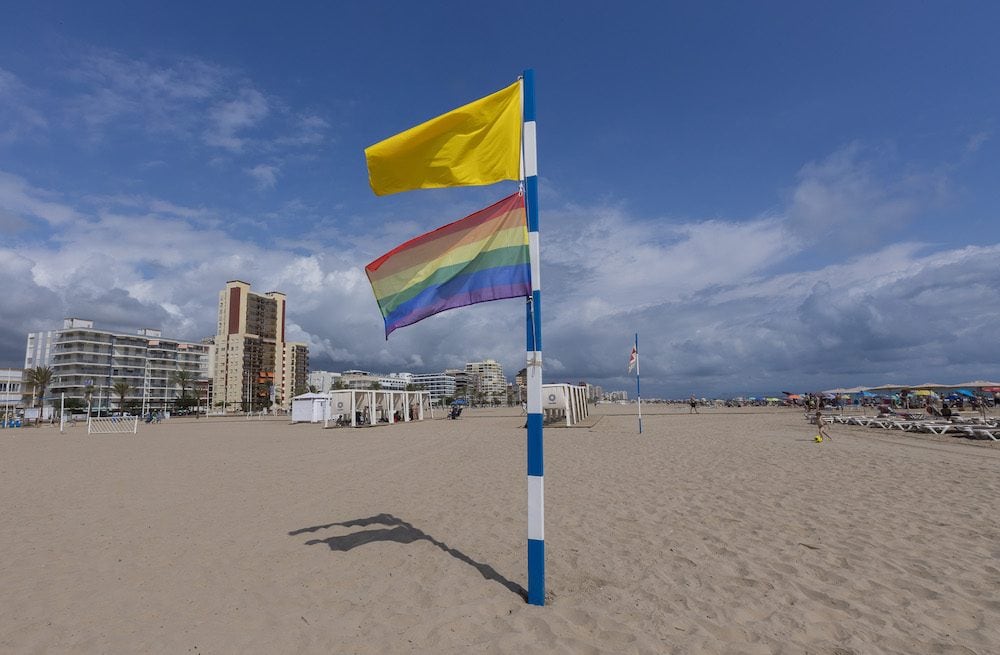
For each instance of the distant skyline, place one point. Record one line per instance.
(775, 196)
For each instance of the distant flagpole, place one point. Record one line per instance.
(638, 393)
(533, 348)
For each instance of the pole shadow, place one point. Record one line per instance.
(404, 533)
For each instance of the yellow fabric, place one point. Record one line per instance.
(478, 143)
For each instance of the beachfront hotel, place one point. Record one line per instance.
(489, 379)
(253, 363)
(86, 359)
(439, 385)
(10, 389)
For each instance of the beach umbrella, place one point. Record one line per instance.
(965, 392)
(924, 392)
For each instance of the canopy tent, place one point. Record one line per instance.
(979, 384)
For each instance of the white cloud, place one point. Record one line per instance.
(720, 305)
(230, 118)
(857, 193)
(17, 197)
(265, 176)
(19, 116)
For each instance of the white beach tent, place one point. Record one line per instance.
(564, 401)
(309, 407)
(370, 406)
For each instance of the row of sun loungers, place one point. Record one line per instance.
(972, 428)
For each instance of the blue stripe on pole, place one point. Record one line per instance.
(536, 571)
(530, 327)
(535, 454)
(529, 95)
(536, 308)
(531, 194)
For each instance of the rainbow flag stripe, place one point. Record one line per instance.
(479, 258)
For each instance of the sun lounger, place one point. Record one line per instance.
(980, 433)
(938, 428)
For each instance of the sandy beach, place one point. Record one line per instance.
(729, 531)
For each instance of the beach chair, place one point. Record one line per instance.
(974, 432)
(938, 428)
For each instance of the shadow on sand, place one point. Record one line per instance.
(404, 533)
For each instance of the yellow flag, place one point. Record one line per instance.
(478, 143)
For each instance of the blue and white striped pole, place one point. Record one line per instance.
(536, 478)
(638, 393)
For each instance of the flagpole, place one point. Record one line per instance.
(638, 394)
(536, 479)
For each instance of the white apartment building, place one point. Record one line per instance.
(439, 385)
(83, 358)
(489, 379)
(11, 389)
(323, 380)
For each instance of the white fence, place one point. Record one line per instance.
(113, 425)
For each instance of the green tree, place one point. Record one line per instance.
(338, 384)
(122, 388)
(183, 379)
(375, 386)
(39, 378)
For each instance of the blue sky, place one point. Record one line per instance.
(773, 195)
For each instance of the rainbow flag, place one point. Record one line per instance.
(479, 258)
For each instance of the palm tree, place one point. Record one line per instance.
(39, 378)
(183, 379)
(88, 395)
(122, 388)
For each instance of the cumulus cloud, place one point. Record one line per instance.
(858, 193)
(722, 306)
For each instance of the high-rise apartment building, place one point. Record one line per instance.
(253, 364)
(86, 363)
(296, 370)
(489, 379)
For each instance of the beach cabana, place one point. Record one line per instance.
(371, 406)
(309, 407)
(564, 401)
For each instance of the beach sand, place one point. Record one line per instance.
(729, 531)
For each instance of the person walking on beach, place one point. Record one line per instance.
(822, 433)
(694, 405)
